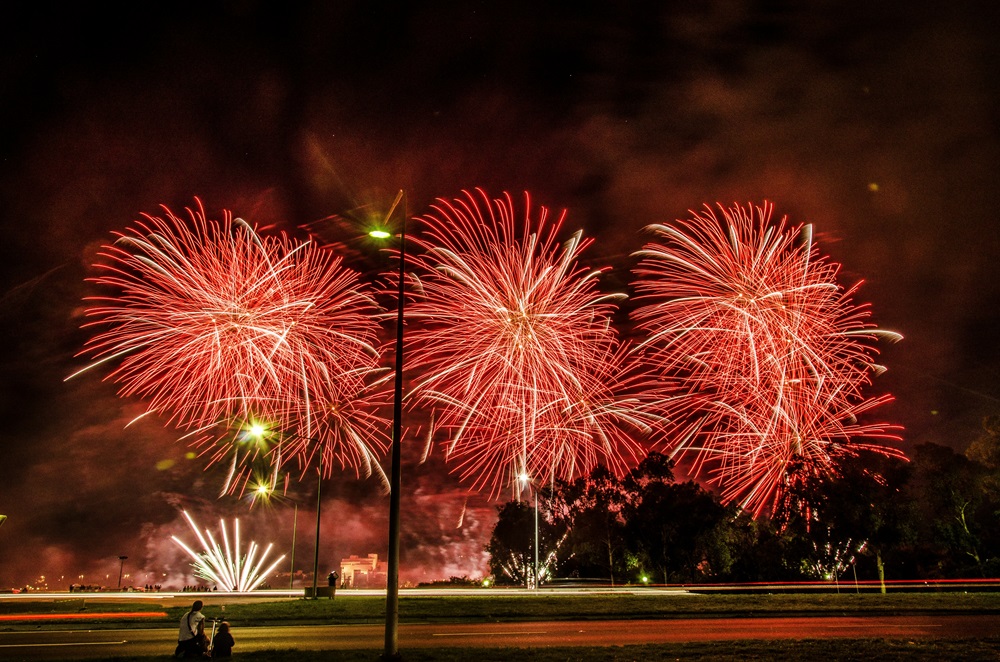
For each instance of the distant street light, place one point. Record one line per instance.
(526, 480)
(120, 569)
(258, 431)
(319, 504)
(264, 491)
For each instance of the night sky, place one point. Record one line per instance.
(876, 123)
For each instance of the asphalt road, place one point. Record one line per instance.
(45, 644)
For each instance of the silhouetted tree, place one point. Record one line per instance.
(955, 517)
(856, 508)
(595, 544)
(985, 451)
(758, 551)
(670, 526)
(512, 544)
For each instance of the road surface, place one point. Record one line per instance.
(49, 644)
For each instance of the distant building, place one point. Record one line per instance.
(368, 572)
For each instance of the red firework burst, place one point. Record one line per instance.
(213, 325)
(517, 355)
(771, 353)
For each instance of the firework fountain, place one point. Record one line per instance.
(766, 354)
(224, 565)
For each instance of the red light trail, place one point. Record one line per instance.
(91, 616)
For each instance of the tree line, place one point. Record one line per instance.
(872, 517)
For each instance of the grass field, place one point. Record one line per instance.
(792, 651)
(479, 606)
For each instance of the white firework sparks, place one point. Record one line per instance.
(223, 565)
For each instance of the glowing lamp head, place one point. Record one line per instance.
(379, 233)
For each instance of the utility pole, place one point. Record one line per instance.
(121, 568)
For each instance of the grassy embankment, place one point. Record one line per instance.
(480, 606)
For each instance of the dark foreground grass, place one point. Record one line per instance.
(810, 649)
(481, 606)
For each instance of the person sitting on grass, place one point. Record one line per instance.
(191, 639)
(223, 642)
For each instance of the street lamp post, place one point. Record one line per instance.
(319, 502)
(391, 651)
(121, 568)
(535, 494)
(291, 568)
(258, 431)
(524, 478)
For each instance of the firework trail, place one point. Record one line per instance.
(349, 422)
(218, 328)
(223, 564)
(516, 353)
(767, 355)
